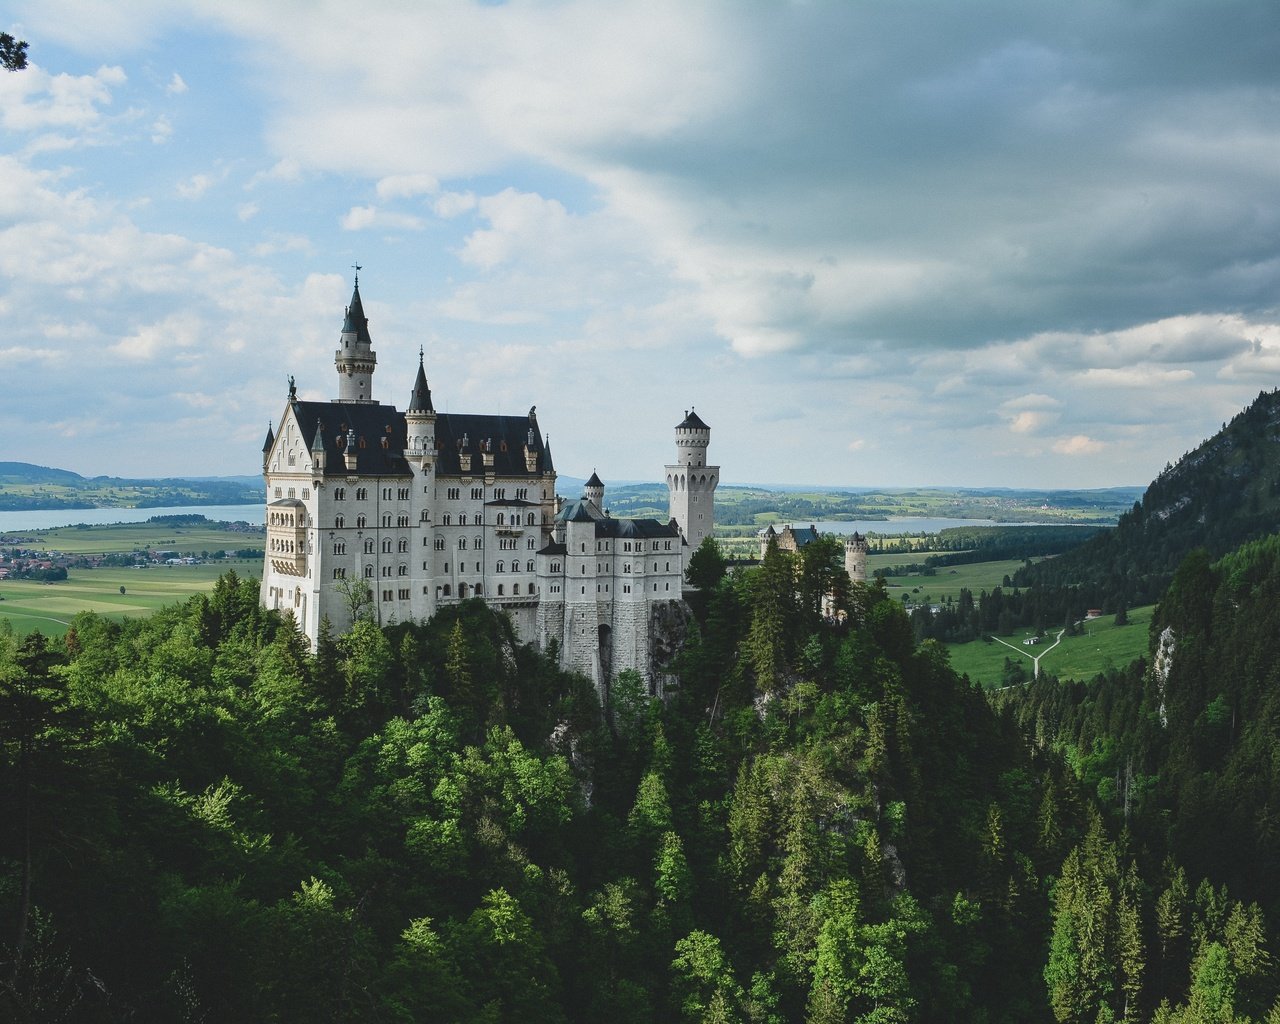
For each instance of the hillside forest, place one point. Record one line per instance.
(202, 820)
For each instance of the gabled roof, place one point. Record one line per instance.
(504, 437)
(578, 511)
(692, 421)
(331, 422)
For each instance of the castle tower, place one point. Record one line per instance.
(691, 482)
(354, 358)
(855, 558)
(594, 492)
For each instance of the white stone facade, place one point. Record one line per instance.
(429, 508)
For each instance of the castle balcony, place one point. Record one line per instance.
(287, 536)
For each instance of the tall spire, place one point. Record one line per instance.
(420, 400)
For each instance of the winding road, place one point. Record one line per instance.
(1035, 658)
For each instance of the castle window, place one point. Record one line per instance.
(386, 545)
(529, 544)
(522, 493)
(293, 458)
(361, 522)
(424, 516)
(502, 566)
(402, 520)
(462, 543)
(340, 548)
(368, 546)
(404, 493)
(530, 521)
(477, 494)
(339, 574)
(479, 589)
(402, 571)
(386, 494)
(439, 543)
(404, 546)
(499, 589)
(386, 519)
(446, 590)
(668, 567)
(404, 595)
(502, 519)
(339, 522)
(362, 443)
(386, 570)
(529, 567)
(462, 519)
(339, 494)
(368, 572)
(454, 493)
(555, 566)
(446, 567)
(478, 543)
(446, 519)
(278, 492)
(499, 493)
(362, 494)
(424, 569)
(306, 493)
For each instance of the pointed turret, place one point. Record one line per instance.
(355, 359)
(594, 492)
(317, 448)
(420, 400)
(267, 446)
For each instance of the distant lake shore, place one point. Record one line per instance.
(49, 518)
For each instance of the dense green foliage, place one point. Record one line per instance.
(201, 820)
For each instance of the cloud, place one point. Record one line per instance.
(195, 186)
(247, 211)
(1078, 444)
(360, 218)
(176, 85)
(405, 186)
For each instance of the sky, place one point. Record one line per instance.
(873, 244)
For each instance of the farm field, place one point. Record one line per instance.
(29, 605)
(125, 537)
(1103, 645)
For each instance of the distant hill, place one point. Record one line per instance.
(1221, 495)
(26, 473)
(24, 486)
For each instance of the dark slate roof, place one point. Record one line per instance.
(554, 549)
(692, 421)
(506, 436)
(373, 423)
(630, 529)
(318, 444)
(356, 320)
(271, 439)
(577, 511)
(595, 481)
(420, 400)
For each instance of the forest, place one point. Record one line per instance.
(205, 821)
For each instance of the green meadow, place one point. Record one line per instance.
(28, 605)
(948, 581)
(1103, 645)
(125, 537)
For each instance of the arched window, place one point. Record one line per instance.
(439, 543)
(530, 519)
(446, 519)
(462, 519)
(361, 521)
(368, 546)
(403, 571)
(446, 590)
(462, 543)
(339, 522)
(386, 519)
(502, 519)
(499, 589)
(529, 567)
(368, 572)
(423, 517)
(478, 543)
(502, 566)
(386, 545)
(404, 545)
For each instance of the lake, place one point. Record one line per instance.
(895, 525)
(46, 519)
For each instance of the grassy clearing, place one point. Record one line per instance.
(948, 582)
(1104, 645)
(49, 607)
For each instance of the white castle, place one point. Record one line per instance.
(426, 509)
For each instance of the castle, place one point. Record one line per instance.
(420, 509)
(790, 539)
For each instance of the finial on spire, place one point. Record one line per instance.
(420, 355)
(358, 269)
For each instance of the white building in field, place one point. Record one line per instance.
(426, 509)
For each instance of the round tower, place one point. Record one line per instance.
(691, 483)
(855, 558)
(355, 359)
(594, 492)
(420, 417)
